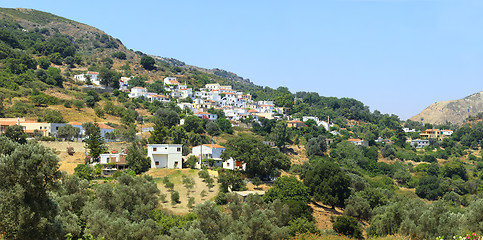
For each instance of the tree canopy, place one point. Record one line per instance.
(327, 183)
(261, 160)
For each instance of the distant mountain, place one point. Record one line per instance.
(455, 111)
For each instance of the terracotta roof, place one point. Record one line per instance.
(8, 123)
(104, 126)
(92, 73)
(252, 111)
(173, 81)
(203, 113)
(213, 146)
(266, 105)
(296, 121)
(354, 140)
(32, 130)
(75, 123)
(160, 96)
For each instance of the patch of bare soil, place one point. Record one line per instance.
(322, 214)
(296, 153)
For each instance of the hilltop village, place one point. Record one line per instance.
(237, 107)
(98, 141)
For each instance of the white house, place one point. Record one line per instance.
(170, 81)
(206, 115)
(212, 86)
(447, 132)
(124, 83)
(234, 164)
(185, 92)
(156, 97)
(205, 151)
(359, 142)
(419, 143)
(118, 159)
(409, 130)
(91, 75)
(103, 127)
(165, 155)
(137, 92)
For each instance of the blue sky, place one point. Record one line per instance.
(396, 56)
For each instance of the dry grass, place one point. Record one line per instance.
(176, 176)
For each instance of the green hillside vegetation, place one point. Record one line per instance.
(389, 186)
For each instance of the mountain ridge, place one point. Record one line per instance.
(453, 111)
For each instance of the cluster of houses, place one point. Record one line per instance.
(427, 134)
(235, 105)
(170, 156)
(47, 129)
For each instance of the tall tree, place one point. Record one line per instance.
(16, 133)
(27, 172)
(280, 134)
(95, 142)
(316, 146)
(147, 62)
(327, 183)
(160, 133)
(168, 117)
(136, 159)
(261, 160)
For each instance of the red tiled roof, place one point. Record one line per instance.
(93, 73)
(104, 126)
(75, 123)
(354, 140)
(213, 146)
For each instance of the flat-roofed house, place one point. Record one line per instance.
(165, 155)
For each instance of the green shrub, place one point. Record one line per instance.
(348, 226)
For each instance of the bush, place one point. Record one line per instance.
(47, 138)
(203, 174)
(68, 104)
(348, 226)
(70, 150)
(221, 198)
(174, 197)
(191, 162)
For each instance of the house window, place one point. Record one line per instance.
(154, 149)
(107, 160)
(157, 163)
(56, 128)
(227, 164)
(176, 164)
(179, 149)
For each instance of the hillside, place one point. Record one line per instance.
(454, 111)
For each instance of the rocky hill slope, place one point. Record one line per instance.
(454, 111)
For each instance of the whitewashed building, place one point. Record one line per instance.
(138, 92)
(165, 155)
(93, 76)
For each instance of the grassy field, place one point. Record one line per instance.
(176, 176)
